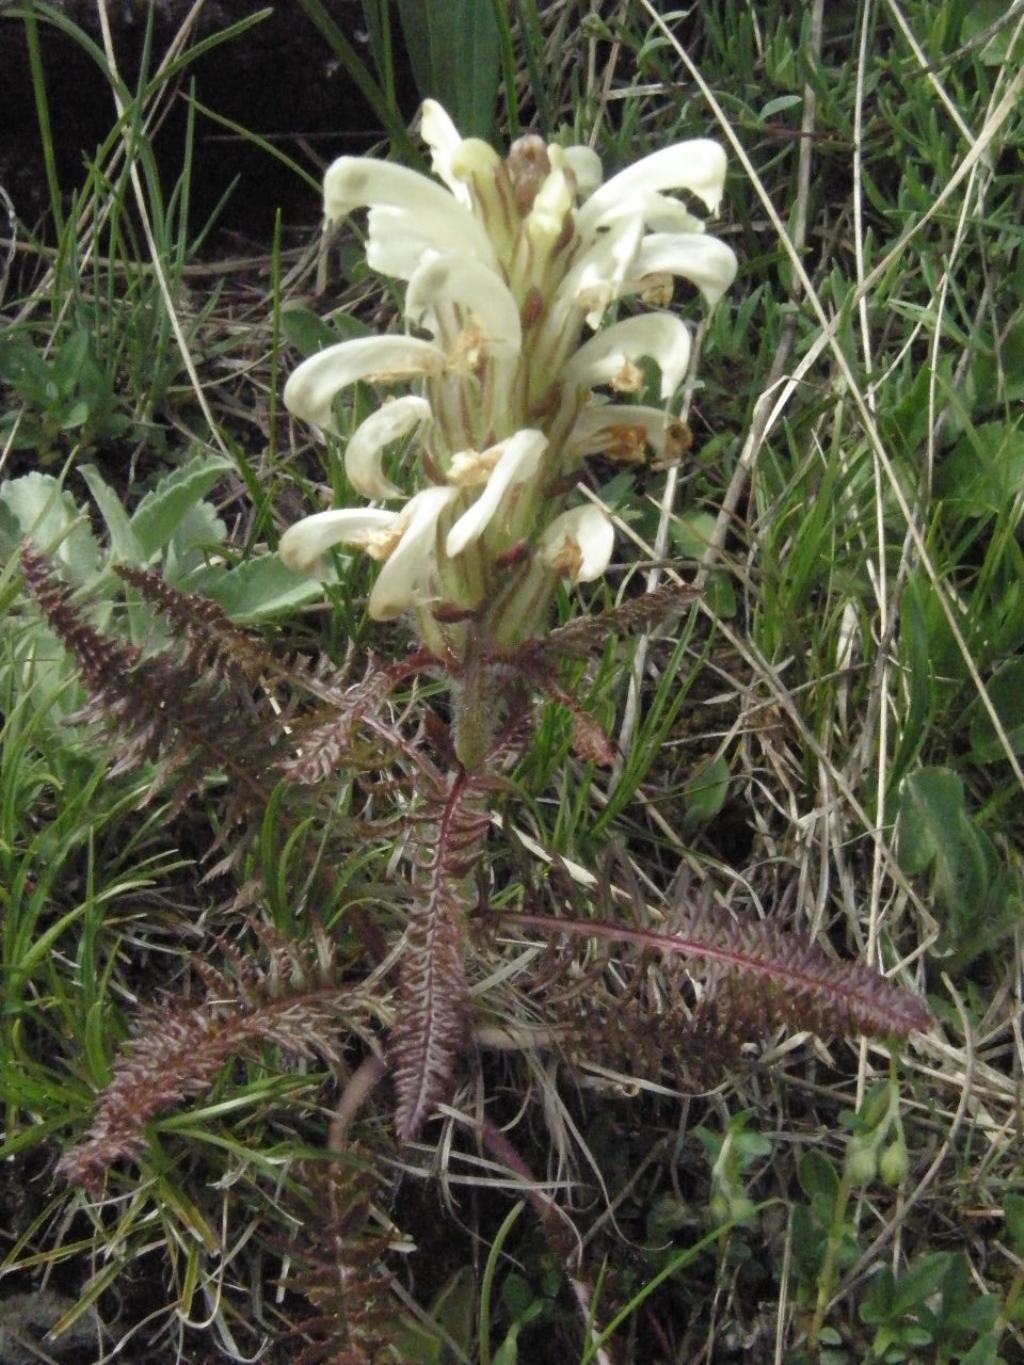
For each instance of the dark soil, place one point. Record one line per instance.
(279, 79)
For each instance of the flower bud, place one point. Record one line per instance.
(894, 1162)
(861, 1163)
(719, 1209)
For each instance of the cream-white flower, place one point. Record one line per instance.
(409, 577)
(662, 213)
(609, 357)
(506, 259)
(597, 277)
(546, 218)
(704, 261)
(697, 166)
(579, 543)
(584, 163)
(354, 182)
(303, 545)
(518, 462)
(622, 431)
(312, 388)
(403, 205)
(444, 140)
(364, 451)
(443, 281)
(397, 239)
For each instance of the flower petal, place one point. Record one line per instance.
(303, 544)
(408, 579)
(312, 388)
(704, 261)
(355, 182)
(546, 219)
(450, 279)
(621, 431)
(584, 163)
(609, 356)
(697, 165)
(364, 450)
(596, 279)
(398, 238)
(518, 462)
(662, 213)
(444, 140)
(579, 543)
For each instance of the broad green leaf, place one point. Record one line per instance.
(199, 529)
(877, 1305)
(508, 1352)
(258, 589)
(981, 17)
(159, 513)
(984, 471)
(931, 808)
(455, 50)
(49, 517)
(934, 832)
(985, 1351)
(1013, 1210)
(123, 540)
(517, 1294)
(75, 416)
(70, 362)
(1005, 366)
(818, 1177)
(706, 791)
(309, 333)
(808, 1243)
(919, 1281)
(779, 104)
(306, 331)
(24, 369)
(692, 533)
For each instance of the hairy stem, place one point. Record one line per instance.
(475, 712)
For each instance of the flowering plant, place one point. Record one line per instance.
(508, 264)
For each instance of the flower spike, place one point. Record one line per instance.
(508, 261)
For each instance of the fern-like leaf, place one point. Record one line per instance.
(433, 1009)
(759, 976)
(192, 706)
(580, 638)
(180, 1049)
(339, 1268)
(538, 659)
(212, 638)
